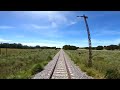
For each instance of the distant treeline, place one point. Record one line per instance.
(20, 46)
(109, 47)
(68, 47)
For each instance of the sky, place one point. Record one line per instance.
(58, 28)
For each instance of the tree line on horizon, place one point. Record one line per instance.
(70, 47)
(66, 47)
(20, 46)
(109, 47)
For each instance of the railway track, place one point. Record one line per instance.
(61, 70)
(61, 67)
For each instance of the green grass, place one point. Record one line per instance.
(24, 63)
(106, 64)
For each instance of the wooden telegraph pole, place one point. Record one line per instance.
(89, 41)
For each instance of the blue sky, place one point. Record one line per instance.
(58, 28)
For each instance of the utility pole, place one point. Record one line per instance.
(89, 41)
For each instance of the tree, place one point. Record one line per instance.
(105, 47)
(86, 47)
(99, 48)
(37, 46)
(93, 48)
(108, 48)
(112, 47)
(68, 47)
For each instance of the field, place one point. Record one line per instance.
(24, 63)
(106, 64)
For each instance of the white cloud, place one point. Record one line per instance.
(48, 30)
(73, 22)
(58, 17)
(42, 44)
(56, 43)
(35, 26)
(6, 27)
(45, 43)
(96, 42)
(50, 21)
(4, 40)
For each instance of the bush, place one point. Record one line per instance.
(99, 48)
(49, 58)
(69, 47)
(112, 47)
(36, 68)
(112, 74)
(20, 74)
(45, 63)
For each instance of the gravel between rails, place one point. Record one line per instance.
(60, 71)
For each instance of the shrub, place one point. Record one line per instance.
(69, 47)
(36, 68)
(45, 63)
(49, 58)
(112, 74)
(99, 48)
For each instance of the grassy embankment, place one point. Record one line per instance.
(24, 63)
(106, 64)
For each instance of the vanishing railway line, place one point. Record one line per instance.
(61, 70)
(61, 67)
